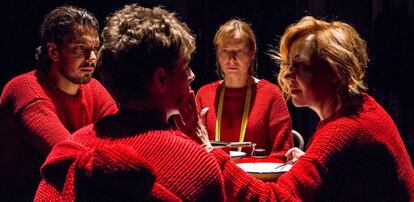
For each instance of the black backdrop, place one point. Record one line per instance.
(387, 26)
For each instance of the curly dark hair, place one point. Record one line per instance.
(58, 24)
(135, 42)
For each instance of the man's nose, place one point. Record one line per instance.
(91, 55)
(191, 77)
(231, 56)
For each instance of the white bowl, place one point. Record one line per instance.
(266, 171)
(234, 155)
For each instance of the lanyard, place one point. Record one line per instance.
(245, 112)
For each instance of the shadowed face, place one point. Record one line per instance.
(179, 84)
(308, 82)
(234, 56)
(76, 56)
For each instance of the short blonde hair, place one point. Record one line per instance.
(336, 44)
(232, 27)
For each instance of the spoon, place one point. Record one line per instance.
(290, 162)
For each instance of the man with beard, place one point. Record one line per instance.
(43, 107)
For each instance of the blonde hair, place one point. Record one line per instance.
(336, 44)
(235, 28)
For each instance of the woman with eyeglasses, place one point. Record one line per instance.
(241, 106)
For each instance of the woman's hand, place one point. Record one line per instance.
(293, 154)
(191, 123)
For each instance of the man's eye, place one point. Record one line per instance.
(95, 50)
(79, 48)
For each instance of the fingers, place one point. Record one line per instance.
(293, 154)
(203, 137)
(203, 115)
(188, 109)
(289, 154)
(297, 153)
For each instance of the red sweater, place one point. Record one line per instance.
(269, 124)
(180, 165)
(356, 155)
(113, 172)
(35, 115)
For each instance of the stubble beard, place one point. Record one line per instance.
(77, 80)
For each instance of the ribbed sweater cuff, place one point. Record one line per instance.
(221, 157)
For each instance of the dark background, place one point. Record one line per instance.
(386, 25)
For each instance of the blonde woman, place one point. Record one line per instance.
(242, 107)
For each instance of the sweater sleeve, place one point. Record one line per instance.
(239, 185)
(105, 104)
(25, 102)
(301, 182)
(44, 129)
(309, 173)
(280, 130)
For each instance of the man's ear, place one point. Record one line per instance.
(160, 80)
(52, 51)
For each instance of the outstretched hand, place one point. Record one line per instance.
(191, 123)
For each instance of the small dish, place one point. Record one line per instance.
(266, 171)
(234, 155)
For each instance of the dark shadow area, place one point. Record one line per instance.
(373, 177)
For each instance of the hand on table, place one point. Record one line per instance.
(293, 154)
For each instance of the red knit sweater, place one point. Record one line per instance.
(35, 115)
(180, 165)
(356, 155)
(113, 172)
(269, 123)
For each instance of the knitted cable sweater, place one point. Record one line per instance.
(35, 115)
(179, 164)
(355, 155)
(268, 125)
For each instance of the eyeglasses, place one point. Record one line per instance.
(238, 53)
